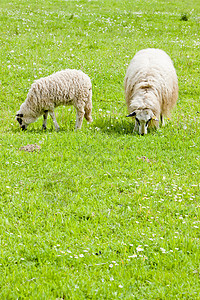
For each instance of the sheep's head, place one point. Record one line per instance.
(19, 118)
(142, 119)
(24, 118)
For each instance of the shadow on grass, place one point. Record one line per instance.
(109, 125)
(119, 127)
(36, 129)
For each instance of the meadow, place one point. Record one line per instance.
(101, 213)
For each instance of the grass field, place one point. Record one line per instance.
(101, 213)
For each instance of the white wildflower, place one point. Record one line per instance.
(139, 248)
(132, 256)
(163, 250)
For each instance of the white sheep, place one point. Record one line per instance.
(151, 88)
(67, 87)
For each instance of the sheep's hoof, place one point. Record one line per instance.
(77, 129)
(44, 127)
(89, 119)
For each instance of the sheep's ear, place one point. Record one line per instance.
(132, 114)
(19, 115)
(154, 118)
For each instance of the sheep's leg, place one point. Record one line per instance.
(87, 115)
(162, 120)
(44, 125)
(79, 119)
(52, 114)
(136, 126)
(88, 107)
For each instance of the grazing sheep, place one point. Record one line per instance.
(67, 87)
(151, 88)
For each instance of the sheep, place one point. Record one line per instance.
(151, 88)
(66, 87)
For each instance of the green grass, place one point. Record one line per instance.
(101, 213)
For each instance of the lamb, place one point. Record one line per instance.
(151, 88)
(67, 87)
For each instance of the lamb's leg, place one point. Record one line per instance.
(44, 125)
(88, 107)
(136, 126)
(79, 119)
(52, 114)
(162, 120)
(87, 115)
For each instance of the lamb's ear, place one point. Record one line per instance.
(19, 115)
(154, 118)
(132, 114)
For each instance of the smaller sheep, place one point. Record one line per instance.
(67, 87)
(151, 88)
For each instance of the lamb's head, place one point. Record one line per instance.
(24, 118)
(19, 118)
(142, 119)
